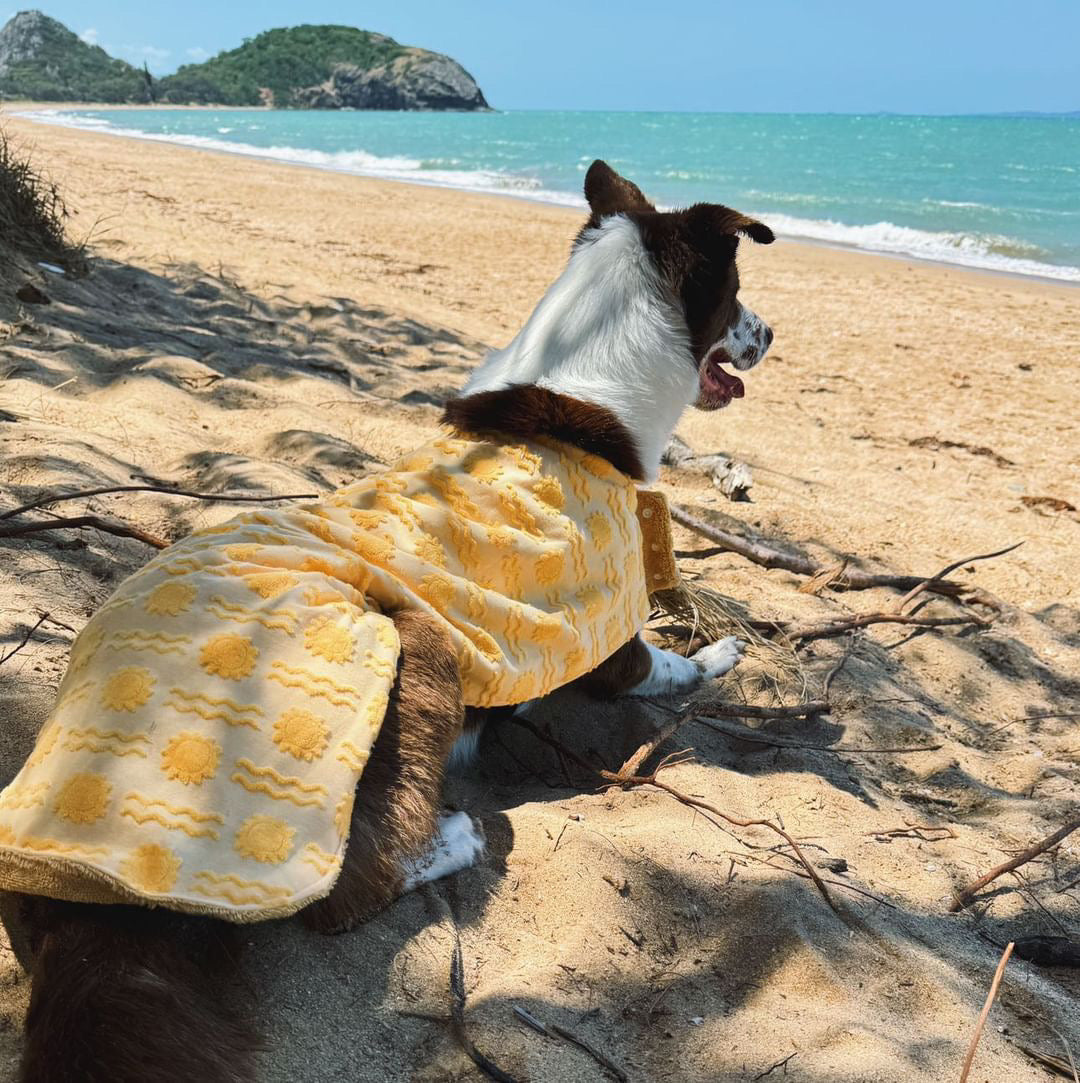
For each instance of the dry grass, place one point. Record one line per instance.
(32, 211)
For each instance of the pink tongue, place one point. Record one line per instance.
(731, 384)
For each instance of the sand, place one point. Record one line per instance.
(257, 327)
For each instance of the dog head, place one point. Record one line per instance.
(694, 253)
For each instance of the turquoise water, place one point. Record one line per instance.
(1002, 193)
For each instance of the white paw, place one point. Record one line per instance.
(720, 657)
(457, 844)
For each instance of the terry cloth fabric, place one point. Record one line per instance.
(218, 710)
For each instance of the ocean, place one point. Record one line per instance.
(1000, 193)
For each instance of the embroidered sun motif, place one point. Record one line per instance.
(486, 645)
(574, 662)
(547, 627)
(7, 836)
(152, 868)
(190, 758)
(83, 799)
(301, 734)
(329, 640)
(170, 599)
(270, 584)
(230, 656)
(128, 688)
(550, 492)
(430, 551)
(372, 547)
(599, 528)
(548, 568)
(264, 838)
(438, 590)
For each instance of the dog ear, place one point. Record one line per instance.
(607, 193)
(713, 224)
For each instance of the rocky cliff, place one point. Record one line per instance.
(417, 79)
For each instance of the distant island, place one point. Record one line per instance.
(300, 67)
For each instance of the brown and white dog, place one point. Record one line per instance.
(638, 327)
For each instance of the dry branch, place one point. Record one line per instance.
(984, 1013)
(226, 498)
(628, 781)
(96, 522)
(847, 578)
(25, 639)
(836, 626)
(964, 897)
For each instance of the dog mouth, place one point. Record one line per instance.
(716, 388)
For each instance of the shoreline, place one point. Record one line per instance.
(30, 110)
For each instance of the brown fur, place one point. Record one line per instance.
(125, 994)
(694, 249)
(398, 799)
(526, 411)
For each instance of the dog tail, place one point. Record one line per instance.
(127, 994)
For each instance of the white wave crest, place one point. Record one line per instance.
(358, 162)
(984, 251)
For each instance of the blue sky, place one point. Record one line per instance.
(918, 56)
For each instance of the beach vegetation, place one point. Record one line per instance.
(271, 67)
(33, 215)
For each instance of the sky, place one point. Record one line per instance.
(918, 56)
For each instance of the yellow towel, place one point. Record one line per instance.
(219, 709)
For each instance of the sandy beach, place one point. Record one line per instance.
(255, 327)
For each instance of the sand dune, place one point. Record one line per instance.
(259, 328)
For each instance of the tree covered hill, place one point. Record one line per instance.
(43, 60)
(312, 67)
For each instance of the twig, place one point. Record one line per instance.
(1047, 1060)
(928, 584)
(964, 897)
(748, 733)
(228, 498)
(985, 1012)
(768, 557)
(107, 526)
(25, 639)
(596, 1055)
(457, 1016)
(779, 1064)
(723, 710)
(692, 802)
(840, 625)
(830, 676)
(915, 831)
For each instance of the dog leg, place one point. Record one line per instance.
(673, 674)
(457, 845)
(639, 669)
(399, 796)
(126, 994)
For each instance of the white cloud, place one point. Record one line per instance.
(198, 53)
(90, 36)
(153, 55)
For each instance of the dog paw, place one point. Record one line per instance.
(720, 657)
(457, 844)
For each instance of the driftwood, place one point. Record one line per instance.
(731, 477)
(95, 522)
(964, 897)
(845, 578)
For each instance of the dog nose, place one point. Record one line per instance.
(768, 337)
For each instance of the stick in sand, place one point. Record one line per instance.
(985, 1012)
